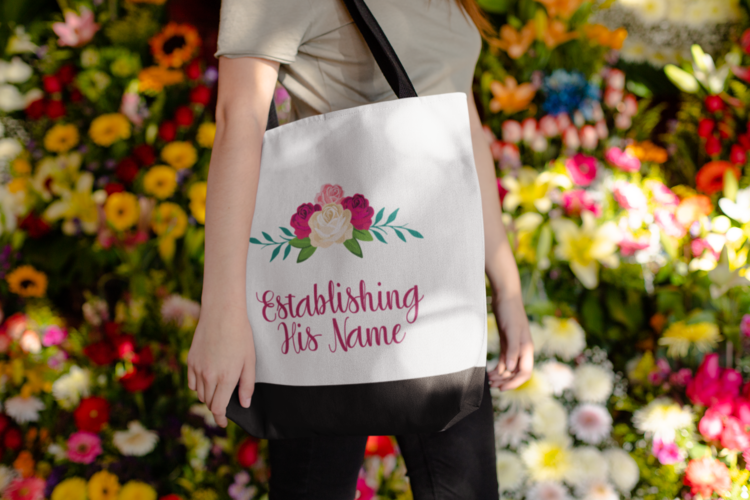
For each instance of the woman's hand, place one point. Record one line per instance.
(516, 347)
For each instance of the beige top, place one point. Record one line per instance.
(326, 64)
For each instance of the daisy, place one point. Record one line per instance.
(661, 418)
(565, 337)
(550, 418)
(23, 409)
(592, 383)
(547, 490)
(137, 440)
(623, 471)
(590, 466)
(512, 428)
(510, 470)
(69, 388)
(559, 376)
(549, 459)
(534, 390)
(598, 490)
(590, 423)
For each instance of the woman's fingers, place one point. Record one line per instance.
(525, 367)
(220, 401)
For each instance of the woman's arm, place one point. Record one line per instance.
(517, 355)
(222, 351)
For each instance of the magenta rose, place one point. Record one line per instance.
(361, 211)
(329, 193)
(301, 220)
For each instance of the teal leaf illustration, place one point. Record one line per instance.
(286, 252)
(414, 233)
(400, 235)
(275, 252)
(353, 246)
(362, 235)
(287, 232)
(379, 216)
(379, 236)
(298, 243)
(268, 237)
(255, 241)
(306, 253)
(391, 217)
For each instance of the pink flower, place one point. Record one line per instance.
(666, 453)
(329, 193)
(631, 105)
(129, 107)
(301, 220)
(622, 160)
(713, 385)
(623, 121)
(711, 425)
(528, 130)
(616, 79)
(577, 200)
(563, 121)
(54, 335)
(361, 211)
(512, 132)
(681, 377)
(629, 196)
(661, 194)
(667, 222)
(589, 137)
(84, 447)
(602, 130)
(76, 31)
(571, 139)
(734, 436)
(548, 126)
(582, 168)
(29, 488)
(745, 325)
(629, 244)
(364, 492)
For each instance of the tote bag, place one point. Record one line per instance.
(365, 269)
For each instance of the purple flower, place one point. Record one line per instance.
(361, 211)
(301, 220)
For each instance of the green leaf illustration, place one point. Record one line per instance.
(414, 233)
(298, 243)
(379, 216)
(306, 253)
(268, 237)
(286, 252)
(275, 252)
(353, 246)
(256, 241)
(391, 217)
(362, 235)
(400, 235)
(286, 232)
(379, 236)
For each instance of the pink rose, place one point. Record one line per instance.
(582, 169)
(301, 220)
(361, 211)
(622, 160)
(711, 425)
(329, 193)
(629, 196)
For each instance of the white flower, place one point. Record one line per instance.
(590, 423)
(549, 459)
(204, 411)
(565, 337)
(623, 471)
(538, 335)
(634, 50)
(650, 10)
(136, 441)
(7, 475)
(739, 209)
(547, 490)
(512, 428)
(510, 470)
(69, 388)
(332, 224)
(598, 490)
(9, 148)
(11, 98)
(197, 444)
(559, 376)
(20, 42)
(549, 419)
(57, 451)
(534, 390)
(24, 410)
(15, 71)
(592, 383)
(30, 342)
(590, 466)
(661, 418)
(183, 311)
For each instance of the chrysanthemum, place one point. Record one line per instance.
(60, 138)
(183, 311)
(197, 195)
(550, 418)
(592, 383)
(623, 470)
(179, 154)
(25, 488)
(661, 418)
(169, 219)
(510, 470)
(137, 440)
(84, 447)
(598, 490)
(548, 459)
(590, 466)
(565, 337)
(590, 423)
(680, 336)
(109, 128)
(23, 409)
(534, 390)
(206, 134)
(154, 78)
(73, 488)
(26, 281)
(175, 44)
(137, 490)
(103, 485)
(160, 181)
(71, 387)
(122, 210)
(559, 375)
(512, 428)
(548, 490)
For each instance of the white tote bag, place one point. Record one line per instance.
(365, 269)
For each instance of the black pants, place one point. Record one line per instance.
(456, 464)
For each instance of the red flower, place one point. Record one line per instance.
(171, 496)
(706, 475)
(183, 115)
(113, 187)
(66, 74)
(361, 211)
(193, 70)
(111, 328)
(200, 95)
(127, 170)
(55, 109)
(92, 413)
(705, 127)
(300, 221)
(144, 154)
(737, 155)
(76, 96)
(710, 178)
(125, 346)
(714, 104)
(741, 410)
(734, 436)
(745, 41)
(35, 109)
(744, 141)
(34, 225)
(4, 422)
(100, 353)
(381, 446)
(51, 84)
(713, 145)
(137, 380)
(12, 438)
(247, 452)
(167, 131)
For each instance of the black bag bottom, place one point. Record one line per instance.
(428, 404)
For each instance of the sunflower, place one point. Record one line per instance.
(60, 138)
(109, 128)
(155, 78)
(103, 485)
(197, 195)
(169, 219)
(206, 134)
(160, 181)
(179, 154)
(122, 210)
(175, 44)
(27, 281)
(710, 178)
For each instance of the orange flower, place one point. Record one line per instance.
(515, 43)
(175, 44)
(707, 475)
(693, 208)
(557, 33)
(562, 8)
(604, 37)
(648, 151)
(710, 178)
(24, 463)
(155, 78)
(511, 97)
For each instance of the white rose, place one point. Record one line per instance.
(11, 98)
(331, 225)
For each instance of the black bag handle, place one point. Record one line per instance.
(381, 49)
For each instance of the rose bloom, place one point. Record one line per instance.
(706, 475)
(300, 219)
(361, 211)
(331, 225)
(329, 193)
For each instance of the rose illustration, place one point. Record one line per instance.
(300, 220)
(329, 193)
(331, 225)
(361, 210)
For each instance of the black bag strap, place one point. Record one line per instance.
(381, 49)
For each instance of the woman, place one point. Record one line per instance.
(316, 51)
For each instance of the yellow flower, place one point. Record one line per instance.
(549, 459)
(21, 166)
(137, 490)
(531, 392)
(73, 488)
(179, 154)
(175, 44)
(586, 246)
(169, 219)
(107, 129)
(77, 203)
(122, 210)
(204, 494)
(26, 281)
(510, 96)
(197, 195)
(155, 78)
(531, 189)
(680, 336)
(18, 184)
(103, 485)
(60, 138)
(206, 134)
(160, 181)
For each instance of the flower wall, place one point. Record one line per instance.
(625, 192)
